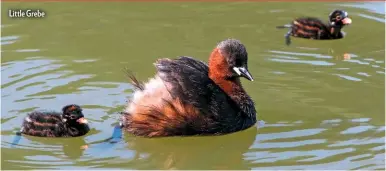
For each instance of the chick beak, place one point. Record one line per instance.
(242, 71)
(346, 20)
(82, 120)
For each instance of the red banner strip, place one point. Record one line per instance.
(191, 1)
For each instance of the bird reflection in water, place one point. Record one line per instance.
(73, 148)
(339, 56)
(197, 152)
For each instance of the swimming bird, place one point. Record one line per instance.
(189, 97)
(69, 123)
(314, 28)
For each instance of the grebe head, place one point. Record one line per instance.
(73, 114)
(229, 60)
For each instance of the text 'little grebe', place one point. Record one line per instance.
(314, 28)
(189, 97)
(69, 123)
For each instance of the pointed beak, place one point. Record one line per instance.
(346, 20)
(82, 120)
(242, 71)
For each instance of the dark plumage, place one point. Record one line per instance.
(188, 97)
(69, 123)
(314, 28)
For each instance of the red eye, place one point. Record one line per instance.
(73, 117)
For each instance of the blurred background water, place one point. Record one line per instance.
(321, 103)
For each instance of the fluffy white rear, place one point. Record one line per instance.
(153, 94)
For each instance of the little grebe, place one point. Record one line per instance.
(188, 97)
(70, 123)
(314, 28)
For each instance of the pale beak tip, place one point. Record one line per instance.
(82, 121)
(347, 21)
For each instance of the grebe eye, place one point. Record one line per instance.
(72, 117)
(238, 62)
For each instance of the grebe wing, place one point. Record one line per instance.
(190, 81)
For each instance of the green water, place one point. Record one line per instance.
(321, 110)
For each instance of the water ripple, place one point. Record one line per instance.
(322, 63)
(351, 78)
(9, 40)
(302, 54)
(373, 18)
(357, 129)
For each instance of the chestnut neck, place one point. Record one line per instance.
(220, 74)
